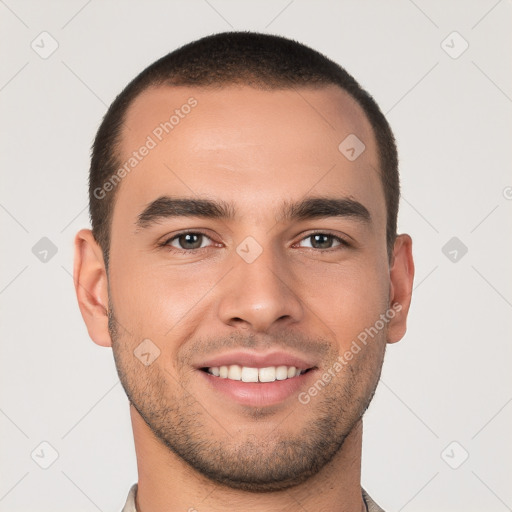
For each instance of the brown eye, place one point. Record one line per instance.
(323, 241)
(188, 241)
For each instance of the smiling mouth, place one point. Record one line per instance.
(251, 374)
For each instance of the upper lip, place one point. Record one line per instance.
(257, 360)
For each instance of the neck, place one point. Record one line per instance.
(167, 484)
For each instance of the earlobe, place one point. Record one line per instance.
(401, 281)
(91, 286)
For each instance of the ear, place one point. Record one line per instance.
(91, 286)
(401, 276)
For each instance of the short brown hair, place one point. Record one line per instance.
(258, 60)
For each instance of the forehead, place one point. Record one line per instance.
(246, 145)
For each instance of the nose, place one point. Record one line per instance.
(259, 295)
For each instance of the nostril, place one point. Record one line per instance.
(240, 323)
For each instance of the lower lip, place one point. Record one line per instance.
(258, 394)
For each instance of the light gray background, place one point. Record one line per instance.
(447, 380)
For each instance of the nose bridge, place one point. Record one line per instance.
(258, 293)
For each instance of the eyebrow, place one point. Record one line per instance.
(166, 207)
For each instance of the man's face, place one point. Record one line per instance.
(298, 289)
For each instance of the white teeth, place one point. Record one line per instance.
(267, 374)
(281, 372)
(235, 372)
(248, 374)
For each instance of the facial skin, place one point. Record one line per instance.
(254, 150)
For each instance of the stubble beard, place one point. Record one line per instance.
(202, 438)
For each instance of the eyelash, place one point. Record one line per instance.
(343, 243)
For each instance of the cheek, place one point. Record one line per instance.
(159, 300)
(348, 298)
